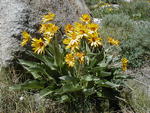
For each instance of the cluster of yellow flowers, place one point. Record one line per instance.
(82, 30)
(124, 64)
(46, 29)
(113, 41)
(71, 57)
(85, 30)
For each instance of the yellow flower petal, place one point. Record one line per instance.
(50, 16)
(38, 45)
(26, 38)
(92, 27)
(48, 29)
(69, 28)
(113, 41)
(70, 60)
(80, 56)
(85, 18)
(94, 40)
(124, 64)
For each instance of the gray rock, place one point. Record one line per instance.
(11, 13)
(18, 15)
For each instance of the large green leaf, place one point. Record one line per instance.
(89, 78)
(104, 63)
(105, 74)
(32, 67)
(34, 84)
(109, 84)
(68, 88)
(67, 78)
(36, 69)
(34, 72)
(47, 60)
(123, 76)
(59, 58)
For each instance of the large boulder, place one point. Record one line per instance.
(18, 15)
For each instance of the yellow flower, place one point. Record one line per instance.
(50, 16)
(70, 60)
(38, 45)
(81, 56)
(48, 29)
(47, 39)
(113, 41)
(81, 30)
(78, 25)
(72, 43)
(26, 38)
(94, 40)
(124, 64)
(72, 35)
(110, 9)
(85, 18)
(69, 28)
(92, 27)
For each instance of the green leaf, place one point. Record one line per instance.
(109, 58)
(34, 72)
(45, 92)
(105, 74)
(123, 76)
(67, 78)
(99, 94)
(110, 84)
(58, 53)
(28, 63)
(36, 69)
(68, 88)
(32, 67)
(102, 64)
(89, 78)
(89, 92)
(97, 69)
(64, 98)
(35, 84)
(87, 48)
(48, 60)
(15, 87)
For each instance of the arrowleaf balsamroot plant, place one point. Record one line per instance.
(75, 66)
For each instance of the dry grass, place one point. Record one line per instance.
(140, 99)
(22, 101)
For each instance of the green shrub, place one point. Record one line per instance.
(102, 11)
(91, 2)
(81, 74)
(112, 1)
(137, 10)
(118, 22)
(133, 35)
